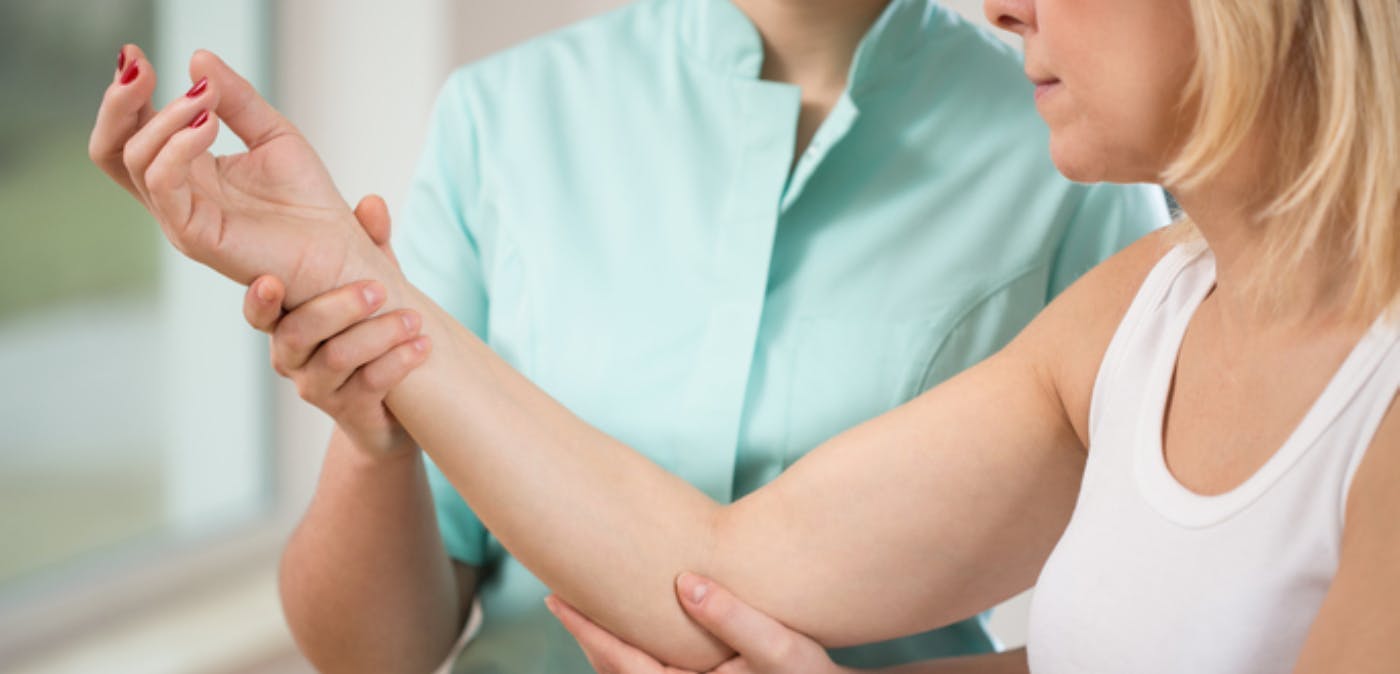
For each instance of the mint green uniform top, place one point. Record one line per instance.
(615, 210)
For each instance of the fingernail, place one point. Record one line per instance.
(199, 119)
(371, 294)
(420, 344)
(198, 88)
(410, 321)
(698, 588)
(264, 292)
(121, 59)
(129, 75)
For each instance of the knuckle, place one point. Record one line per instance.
(782, 648)
(374, 379)
(95, 151)
(288, 338)
(157, 178)
(277, 366)
(337, 357)
(131, 160)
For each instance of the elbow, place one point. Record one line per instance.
(690, 649)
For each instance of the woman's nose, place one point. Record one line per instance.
(1016, 16)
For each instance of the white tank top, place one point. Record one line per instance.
(1151, 577)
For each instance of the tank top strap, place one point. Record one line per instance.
(1154, 291)
(1377, 389)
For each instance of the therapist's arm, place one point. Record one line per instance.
(366, 581)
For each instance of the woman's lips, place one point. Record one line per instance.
(1045, 87)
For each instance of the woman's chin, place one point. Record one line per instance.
(1083, 165)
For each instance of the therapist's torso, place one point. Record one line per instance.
(615, 209)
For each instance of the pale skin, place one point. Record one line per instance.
(961, 506)
(372, 512)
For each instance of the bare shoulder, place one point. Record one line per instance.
(1066, 343)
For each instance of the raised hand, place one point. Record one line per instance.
(271, 210)
(342, 360)
(764, 645)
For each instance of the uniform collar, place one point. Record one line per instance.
(720, 35)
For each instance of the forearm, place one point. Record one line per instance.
(955, 507)
(365, 582)
(600, 524)
(1010, 662)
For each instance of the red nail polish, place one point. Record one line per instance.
(198, 87)
(200, 119)
(121, 59)
(130, 73)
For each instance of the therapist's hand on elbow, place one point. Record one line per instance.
(342, 358)
(270, 210)
(764, 645)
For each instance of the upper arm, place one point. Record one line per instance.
(1355, 631)
(951, 502)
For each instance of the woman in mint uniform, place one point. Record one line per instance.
(615, 208)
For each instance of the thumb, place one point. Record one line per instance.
(262, 304)
(764, 643)
(241, 108)
(373, 215)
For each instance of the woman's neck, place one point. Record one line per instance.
(811, 43)
(1319, 284)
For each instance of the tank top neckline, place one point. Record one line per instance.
(1159, 486)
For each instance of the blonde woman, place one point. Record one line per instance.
(1194, 447)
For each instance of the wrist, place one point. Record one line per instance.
(337, 261)
(372, 455)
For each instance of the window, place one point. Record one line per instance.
(119, 459)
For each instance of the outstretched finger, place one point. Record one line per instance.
(240, 106)
(262, 304)
(125, 108)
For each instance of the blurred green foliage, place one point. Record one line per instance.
(66, 231)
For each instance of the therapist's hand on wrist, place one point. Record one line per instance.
(342, 357)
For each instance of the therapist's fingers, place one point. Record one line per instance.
(339, 357)
(125, 108)
(262, 304)
(373, 215)
(765, 646)
(605, 652)
(302, 331)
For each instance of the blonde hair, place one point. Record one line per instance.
(1323, 78)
